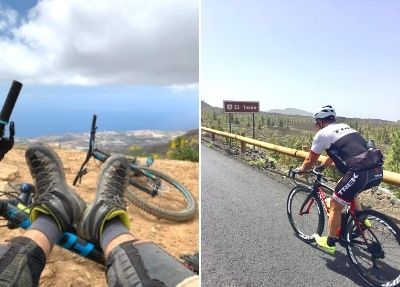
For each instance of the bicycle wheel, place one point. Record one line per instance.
(308, 221)
(173, 201)
(377, 257)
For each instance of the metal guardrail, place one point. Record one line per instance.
(388, 176)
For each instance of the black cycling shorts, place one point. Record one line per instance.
(353, 182)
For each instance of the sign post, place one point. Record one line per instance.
(230, 129)
(241, 107)
(254, 130)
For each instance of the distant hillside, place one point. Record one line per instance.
(163, 148)
(205, 107)
(109, 141)
(288, 111)
(291, 112)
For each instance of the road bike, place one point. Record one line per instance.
(373, 250)
(148, 189)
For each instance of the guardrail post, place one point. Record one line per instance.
(242, 144)
(305, 148)
(213, 135)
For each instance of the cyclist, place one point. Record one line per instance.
(129, 262)
(360, 166)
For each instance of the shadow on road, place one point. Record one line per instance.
(339, 263)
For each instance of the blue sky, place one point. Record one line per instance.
(303, 54)
(138, 71)
(51, 109)
(22, 6)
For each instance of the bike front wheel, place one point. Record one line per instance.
(172, 200)
(306, 218)
(374, 251)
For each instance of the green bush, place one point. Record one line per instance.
(184, 149)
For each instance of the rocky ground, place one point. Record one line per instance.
(379, 199)
(66, 269)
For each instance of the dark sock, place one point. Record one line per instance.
(112, 229)
(48, 226)
(331, 241)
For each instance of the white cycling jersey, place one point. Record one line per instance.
(341, 142)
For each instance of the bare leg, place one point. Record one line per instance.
(357, 203)
(117, 241)
(41, 240)
(335, 218)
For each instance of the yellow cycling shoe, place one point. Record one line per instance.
(322, 242)
(367, 223)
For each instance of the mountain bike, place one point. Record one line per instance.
(373, 251)
(148, 189)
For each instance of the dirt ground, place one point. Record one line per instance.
(67, 269)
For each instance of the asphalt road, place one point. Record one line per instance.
(246, 239)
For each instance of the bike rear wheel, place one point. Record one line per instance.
(308, 221)
(377, 260)
(172, 201)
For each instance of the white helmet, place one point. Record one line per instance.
(325, 112)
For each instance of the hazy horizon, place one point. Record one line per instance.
(266, 111)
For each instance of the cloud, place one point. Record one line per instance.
(182, 89)
(102, 42)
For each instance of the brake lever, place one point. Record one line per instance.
(290, 171)
(12, 131)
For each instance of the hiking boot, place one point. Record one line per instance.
(322, 242)
(109, 202)
(52, 194)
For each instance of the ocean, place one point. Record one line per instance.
(58, 122)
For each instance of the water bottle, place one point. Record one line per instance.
(370, 144)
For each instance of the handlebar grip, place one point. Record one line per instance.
(9, 104)
(94, 122)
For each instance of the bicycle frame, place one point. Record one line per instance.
(349, 211)
(102, 156)
(316, 189)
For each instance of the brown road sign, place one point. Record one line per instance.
(241, 107)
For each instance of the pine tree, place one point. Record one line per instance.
(269, 122)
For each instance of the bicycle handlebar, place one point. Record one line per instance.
(292, 173)
(9, 105)
(92, 134)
